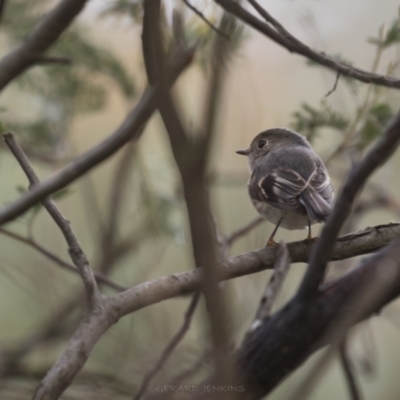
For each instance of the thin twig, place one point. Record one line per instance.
(204, 18)
(76, 253)
(101, 279)
(354, 390)
(334, 85)
(281, 269)
(171, 346)
(288, 41)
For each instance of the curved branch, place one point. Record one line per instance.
(281, 36)
(129, 130)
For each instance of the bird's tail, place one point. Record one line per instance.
(317, 207)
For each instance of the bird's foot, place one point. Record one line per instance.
(309, 238)
(271, 242)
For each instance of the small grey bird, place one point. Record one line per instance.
(289, 184)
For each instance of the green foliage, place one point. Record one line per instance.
(308, 120)
(389, 38)
(373, 106)
(122, 8)
(378, 116)
(60, 92)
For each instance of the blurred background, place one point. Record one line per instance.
(129, 213)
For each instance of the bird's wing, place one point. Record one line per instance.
(282, 188)
(319, 182)
(317, 196)
(287, 190)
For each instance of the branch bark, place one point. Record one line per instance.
(281, 36)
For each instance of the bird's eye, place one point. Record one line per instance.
(262, 143)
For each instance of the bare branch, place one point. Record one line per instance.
(334, 85)
(129, 130)
(169, 349)
(53, 257)
(357, 177)
(75, 250)
(286, 40)
(41, 38)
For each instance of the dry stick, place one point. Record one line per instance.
(129, 130)
(171, 346)
(357, 177)
(76, 253)
(203, 17)
(190, 159)
(53, 257)
(334, 85)
(351, 380)
(295, 46)
(42, 36)
(281, 269)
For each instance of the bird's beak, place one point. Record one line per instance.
(243, 152)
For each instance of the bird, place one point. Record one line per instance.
(289, 184)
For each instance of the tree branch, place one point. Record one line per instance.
(190, 159)
(281, 36)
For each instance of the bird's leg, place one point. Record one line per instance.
(309, 237)
(271, 241)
